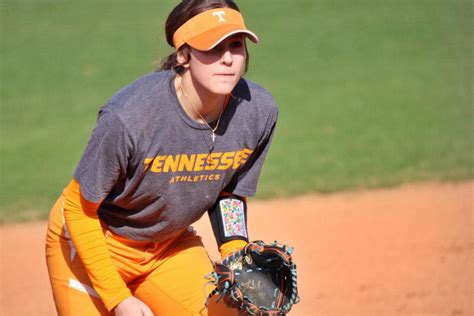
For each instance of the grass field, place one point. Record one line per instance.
(371, 93)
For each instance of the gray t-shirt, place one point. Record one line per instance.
(158, 171)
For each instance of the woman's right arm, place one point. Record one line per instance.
(87, 235)
(103, 163)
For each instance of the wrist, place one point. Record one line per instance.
(114, 302)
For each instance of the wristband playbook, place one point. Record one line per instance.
(228, 218)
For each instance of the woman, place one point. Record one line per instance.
(188, 139)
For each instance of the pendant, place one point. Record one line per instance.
(213, 136)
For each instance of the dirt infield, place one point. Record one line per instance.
(401, 251)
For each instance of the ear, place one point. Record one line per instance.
(182, 58)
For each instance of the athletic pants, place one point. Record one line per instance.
(167, 276)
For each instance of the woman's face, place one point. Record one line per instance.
(219, 69)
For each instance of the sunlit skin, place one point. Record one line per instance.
(209, 76)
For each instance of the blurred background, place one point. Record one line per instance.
(372, 93)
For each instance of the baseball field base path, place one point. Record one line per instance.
(403, 251)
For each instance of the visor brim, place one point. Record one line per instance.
(210, 39)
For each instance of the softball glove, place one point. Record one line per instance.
(260, 279)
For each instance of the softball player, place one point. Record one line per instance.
(188, 139)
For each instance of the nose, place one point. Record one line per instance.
(227, 58)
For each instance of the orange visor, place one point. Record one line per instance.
(207, 29)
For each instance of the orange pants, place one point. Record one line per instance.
(167, 276)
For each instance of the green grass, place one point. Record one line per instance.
(371, 93)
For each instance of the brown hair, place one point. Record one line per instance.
(182, 13)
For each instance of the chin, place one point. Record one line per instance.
(223, 88)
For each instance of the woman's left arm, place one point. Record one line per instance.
(228, 217)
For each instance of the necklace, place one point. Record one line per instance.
(213, 130)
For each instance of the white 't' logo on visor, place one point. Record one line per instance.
(220, 14)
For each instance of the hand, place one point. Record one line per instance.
(132, 306)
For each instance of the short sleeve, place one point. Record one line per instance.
(244, 182)
(105, 158)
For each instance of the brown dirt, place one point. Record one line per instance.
(400, 251)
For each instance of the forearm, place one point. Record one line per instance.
(228, 218)
(87, 235)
